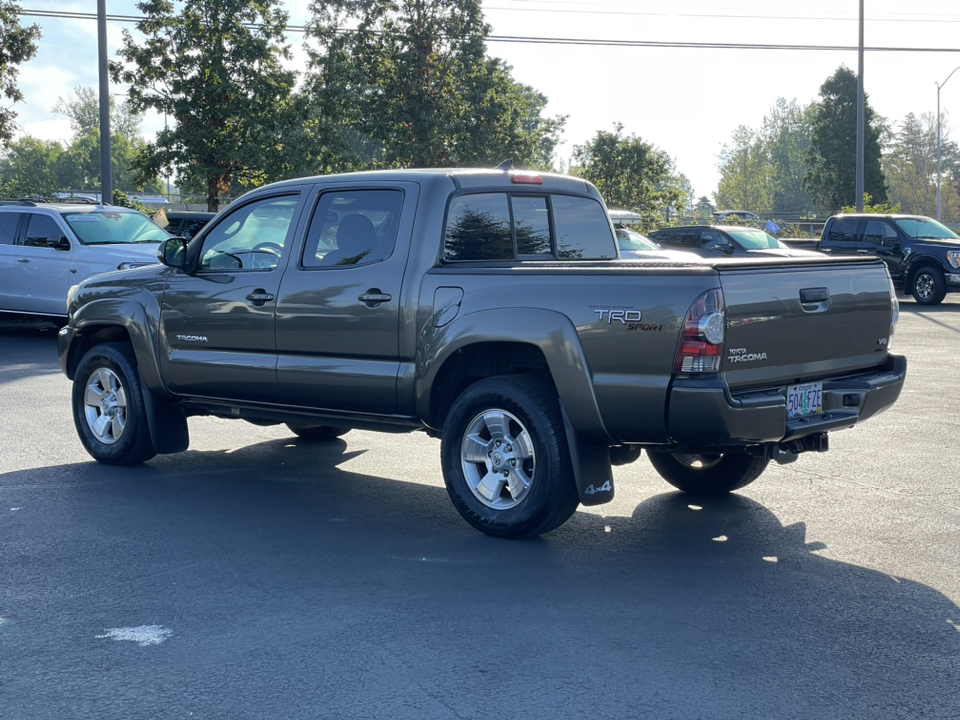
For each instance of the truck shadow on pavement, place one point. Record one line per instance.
(277, 569)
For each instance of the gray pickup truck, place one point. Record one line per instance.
(489, 308)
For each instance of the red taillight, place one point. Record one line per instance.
(701, 341)
(526, 179)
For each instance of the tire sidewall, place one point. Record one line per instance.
(130, 447)
(489, 395)
(939, 286)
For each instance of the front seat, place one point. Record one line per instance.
(355, 240)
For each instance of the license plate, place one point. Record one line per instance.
(804, 400)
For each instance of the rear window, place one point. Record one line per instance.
(114, 228)
(501, 226)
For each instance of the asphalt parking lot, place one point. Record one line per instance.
(259, 576)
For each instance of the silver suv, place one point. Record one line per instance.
(45, 248)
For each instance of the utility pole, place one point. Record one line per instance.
(860, 117)
(106, 157)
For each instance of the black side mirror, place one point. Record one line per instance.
(58, 243)
(726, 248)
(173, 252)
(888, 242)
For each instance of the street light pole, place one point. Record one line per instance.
(940, 85)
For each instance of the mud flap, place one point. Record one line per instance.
(592, 468)
(167, 422)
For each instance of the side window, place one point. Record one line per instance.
(876, 231)
(8, 227)
(352, 227)
(531, 219)
(251, 237)
(709, 239)
(583, 230)
(478, 228)
(41, 229)
(844, 230)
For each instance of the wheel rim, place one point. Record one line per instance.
(497, 458)
(698, 462)
(105, 405)
(924, 286)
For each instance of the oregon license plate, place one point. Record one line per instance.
(804, 400)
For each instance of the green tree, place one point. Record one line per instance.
(80, 164)
(745, 173)
(213, 67)
(30, 167)
(18, 44)
(831, 158)
(408, 84)
(630, 174)
(910, 166)
(786, 132)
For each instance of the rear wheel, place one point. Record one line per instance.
(506, 464)
(317, 432)
(708, 474)
(929, 287)
(108, 408)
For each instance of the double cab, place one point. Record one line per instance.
(489, 308)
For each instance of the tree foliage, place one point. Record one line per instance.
(910, 166)
(409, 84)
(786, 132)
(18, 44)
(832, 157)
(745, 173)
(214, 68)
(630, 174)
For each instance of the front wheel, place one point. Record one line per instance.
(708, 474)
(505, 459)
(108, 408)
(929, 287)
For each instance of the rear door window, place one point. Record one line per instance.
(844, 230)
(353, 227)
(8, 227)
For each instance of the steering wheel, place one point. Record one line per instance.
(268, 247)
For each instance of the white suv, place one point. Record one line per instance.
(45, 248)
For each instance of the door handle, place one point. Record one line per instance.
(259, 297)
(374, 297)
(25, 260)
(863, 252)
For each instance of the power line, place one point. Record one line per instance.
(534, 40)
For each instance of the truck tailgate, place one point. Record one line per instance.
(801, 322)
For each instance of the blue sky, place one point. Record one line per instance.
(685, 101)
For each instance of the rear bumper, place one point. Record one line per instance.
(704, 412)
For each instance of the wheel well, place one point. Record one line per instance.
(475, 362)
(92, 335)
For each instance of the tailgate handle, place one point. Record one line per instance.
(814, 295)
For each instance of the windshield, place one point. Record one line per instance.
(755, 239)
(630, 240)
(924, 227)
(111, 227)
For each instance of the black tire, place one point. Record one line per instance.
(537, 493)
(316, 432)
(928, 286)
(108, 408)
(708, 474)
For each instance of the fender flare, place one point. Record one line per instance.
(167, 422)
(556, 337)
(913, 261)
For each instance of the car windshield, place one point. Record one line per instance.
(924, 227)
(108, 227)
(630, 240)
(755, 239)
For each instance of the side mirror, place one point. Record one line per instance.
(726, 248)
(888, 242)
(173, 252)
(58, 243)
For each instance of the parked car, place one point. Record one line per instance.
(45, 248)
(183, 223)
(633, 245)
(922, 255)
(719, 240)
(744, 215)
(491, 309)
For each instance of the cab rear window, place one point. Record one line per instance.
(505, 226)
